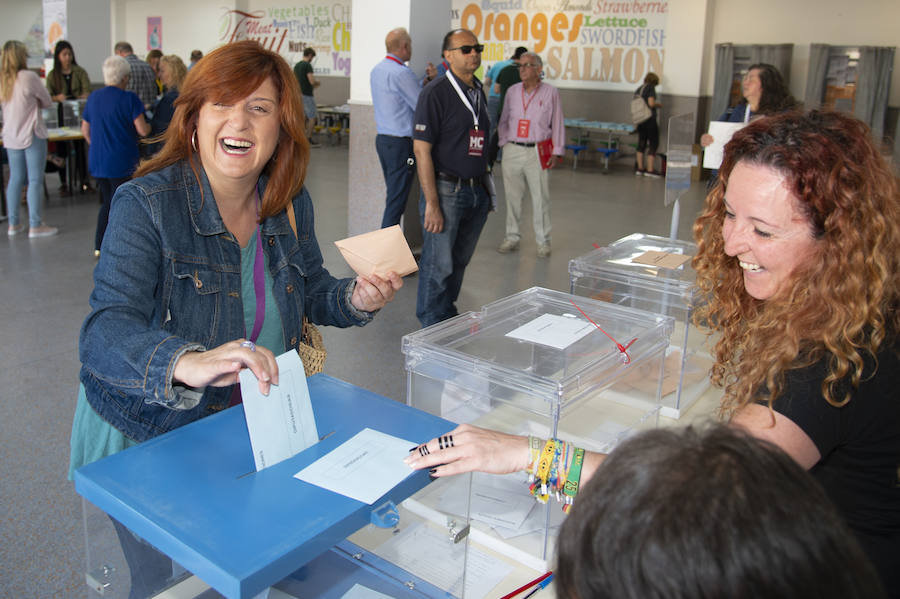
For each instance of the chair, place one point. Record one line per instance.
(576, 148)
(607, 152)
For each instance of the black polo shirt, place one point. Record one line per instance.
(443, 120)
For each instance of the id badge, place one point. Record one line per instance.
(476, 142)
(522, 130)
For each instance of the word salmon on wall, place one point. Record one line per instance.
(596, 44)
(290, 29)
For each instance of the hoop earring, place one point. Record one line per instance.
(194, 140)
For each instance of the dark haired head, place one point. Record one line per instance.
(519, 52)
(57, 65)
(651, 79)
(703, 514)
(309, 52)
(776, 97)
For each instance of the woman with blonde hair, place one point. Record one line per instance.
(24, 138)
(172, 73)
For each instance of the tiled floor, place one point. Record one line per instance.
(45, 288)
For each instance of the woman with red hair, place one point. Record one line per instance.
(204, 272)
(797, 266)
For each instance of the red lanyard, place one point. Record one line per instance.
(534, 93)
(389, 57)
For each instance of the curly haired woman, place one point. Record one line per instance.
(798, 259)
(798, 262)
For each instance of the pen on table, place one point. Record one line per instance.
(539, 586)
(525, 587)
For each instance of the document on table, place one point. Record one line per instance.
(721, 133)
(430, 554)
(282, 424)
(554, 330)
(364, 468)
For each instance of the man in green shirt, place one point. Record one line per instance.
(303, 70)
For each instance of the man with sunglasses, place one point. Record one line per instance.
(450, 144)
(532, 134)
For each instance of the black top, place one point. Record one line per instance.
(860, 448)
(443, 120)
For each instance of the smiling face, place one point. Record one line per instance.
(235, 141)
(764, 230)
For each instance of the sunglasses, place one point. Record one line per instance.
(528, 64)
(467, 49)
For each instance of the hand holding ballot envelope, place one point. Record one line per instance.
(380, 258)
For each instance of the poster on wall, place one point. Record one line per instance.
(154, 33)
(290, 28)
(55, 25)
(584, 44)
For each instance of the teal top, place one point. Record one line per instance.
(93, 438)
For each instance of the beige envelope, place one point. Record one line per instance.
(378, 252)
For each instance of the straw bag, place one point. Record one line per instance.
(311, 347)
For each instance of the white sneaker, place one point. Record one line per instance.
(42, 231)
(16, 230)
(508, 245)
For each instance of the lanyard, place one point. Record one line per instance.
(747, 114)
(259, 282)
(526, 105)
(389, 57)
(465, 100)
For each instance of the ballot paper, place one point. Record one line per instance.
(721, 132)
(364, 468)
(378, 252)
(557, 331)
(282, 423)
(663, 259)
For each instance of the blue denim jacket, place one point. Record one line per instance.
(169, 281)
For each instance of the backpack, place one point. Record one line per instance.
(640, 111)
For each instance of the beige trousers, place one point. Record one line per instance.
(522, 169)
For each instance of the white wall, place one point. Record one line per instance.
(684, 47)
(836, 22)
(17, 21)
(186, 24)
(371, 22)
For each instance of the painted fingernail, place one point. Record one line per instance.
(414, 448)
(432, 471)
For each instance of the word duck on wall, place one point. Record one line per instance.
(288, 30)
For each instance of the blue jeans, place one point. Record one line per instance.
(398, 165)
(445, 255)
(30, 162)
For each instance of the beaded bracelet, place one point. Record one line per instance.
(555, 469)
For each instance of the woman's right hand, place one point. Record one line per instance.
(706, 139)
(469, 448)
(219, 367)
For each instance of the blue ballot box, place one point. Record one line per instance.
(195, 496)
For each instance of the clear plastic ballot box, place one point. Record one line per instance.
(654, 274)
(535, 363)
(204, 523)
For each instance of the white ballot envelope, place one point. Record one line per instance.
(378, 252)
(282, 424)
(721, 133)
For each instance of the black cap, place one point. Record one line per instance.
(519, 52)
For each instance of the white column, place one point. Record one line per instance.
(372, 19)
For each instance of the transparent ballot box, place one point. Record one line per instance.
(540, 363)
(654, 274)
(187, 515)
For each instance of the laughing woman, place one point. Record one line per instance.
(202, 273)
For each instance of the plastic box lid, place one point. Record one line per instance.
(617, 259)
(478, 343)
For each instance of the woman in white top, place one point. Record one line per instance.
(24, 137)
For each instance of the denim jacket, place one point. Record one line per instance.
(169, 281)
